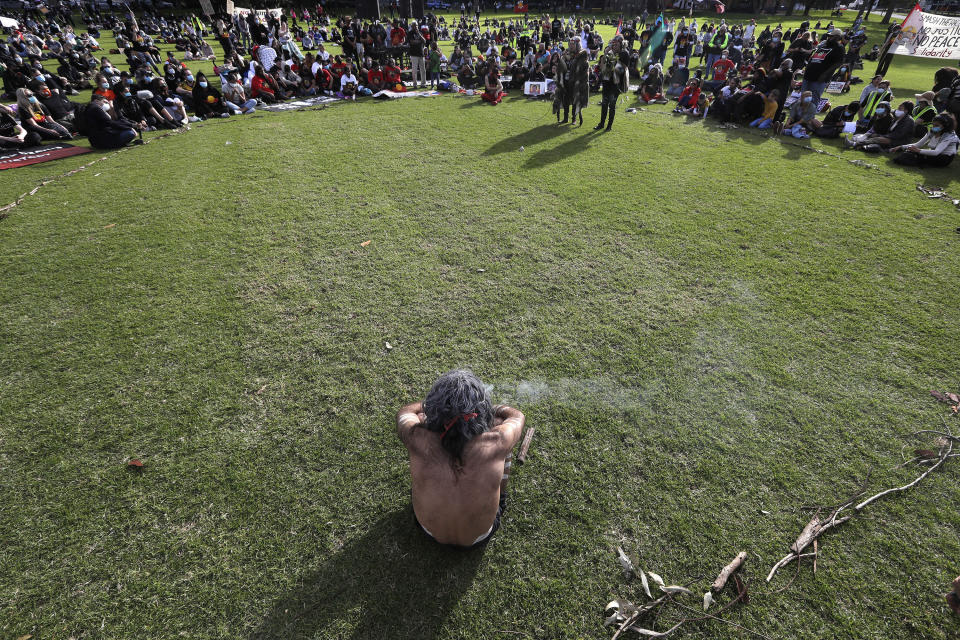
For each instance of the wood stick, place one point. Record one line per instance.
(522, 457)
(943, 458)
(728, 571)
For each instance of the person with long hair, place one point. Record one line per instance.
(207, 101)
(36, 118)
(460, 449)
(103, 131)
(936, 149)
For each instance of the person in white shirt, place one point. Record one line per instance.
(936, 149)
(349, 84)
(748, 32)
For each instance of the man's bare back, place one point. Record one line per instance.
(458, 504)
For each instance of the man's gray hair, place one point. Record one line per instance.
(458, 407)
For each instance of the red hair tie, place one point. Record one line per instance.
(466, 417)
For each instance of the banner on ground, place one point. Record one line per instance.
(928, 35)
(36, 155)
(207, 7)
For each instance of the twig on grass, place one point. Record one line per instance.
(525, 446)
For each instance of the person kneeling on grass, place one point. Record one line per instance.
(936, 149)
(460, 450)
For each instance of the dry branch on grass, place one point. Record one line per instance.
(818, 526)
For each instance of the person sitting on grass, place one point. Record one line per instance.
(36, 118)
(12, 135)
(492, 87)
(770, 105)
(690, 97)
(263, 86)
(832, 125)
(936, 149)
(802, 113)
(103, 131)
(207, 101)
(896, 129)
(460, 450)
(235, 96)
(651, 89)
(391, 76)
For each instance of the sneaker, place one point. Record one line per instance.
(194, 119)
(224, 115)
(236, 112)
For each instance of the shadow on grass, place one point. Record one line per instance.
(527, 138)
(391, 582)
(569, 148)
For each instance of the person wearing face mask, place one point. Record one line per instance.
(891, 129)
(802, 113)
(62, 109)
(140, 112)
(771, 52)
(103, 88)
(924, 113)
(36, 118)
(936, 149)
(103, 131)
(185, 89)
(235, 97)
(832, 125)
(873, 94)
(721, 67)
(208, 103)
(824, 59)
(677, 77)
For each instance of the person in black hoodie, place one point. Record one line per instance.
(207, 101)
(12, 135)
(103, 131)
(56, 102)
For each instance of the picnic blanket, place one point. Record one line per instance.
(13, 158)
(300, 104)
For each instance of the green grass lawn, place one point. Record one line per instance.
(709, 329)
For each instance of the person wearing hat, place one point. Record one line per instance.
(923, 113)
(936, 149)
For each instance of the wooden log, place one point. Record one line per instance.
(525, 447)
(728, 571)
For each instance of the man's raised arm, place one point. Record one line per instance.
(409, 417)
(509, 422)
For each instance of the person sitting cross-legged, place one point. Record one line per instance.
(936, 149)
(460, 449)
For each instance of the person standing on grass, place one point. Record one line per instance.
(418, 67)
(460, 449)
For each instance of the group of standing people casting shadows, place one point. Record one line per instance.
(572, 77)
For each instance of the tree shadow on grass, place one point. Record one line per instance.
(527, 138)
(391, 582)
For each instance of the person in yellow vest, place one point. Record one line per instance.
(880, 92)
(923, 113)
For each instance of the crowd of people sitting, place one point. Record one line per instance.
(771, 79)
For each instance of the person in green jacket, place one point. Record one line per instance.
(433, 66)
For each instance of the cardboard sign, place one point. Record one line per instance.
(207, 7)
(927, 35)
(537, 88)
(836, 87)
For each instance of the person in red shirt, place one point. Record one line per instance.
(324, 80)
(398, 35)
(722, 67)
(391, 76)
(263, 86)
(103, 88)
(338, 68)
(375, 79)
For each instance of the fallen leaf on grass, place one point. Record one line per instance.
(707, 600)
(26, 637)
(676, 589)
(260, 390)
(135, 465)
(111, 225)
(940, 396)
(656, 578)
(646, 585)
(364, 243)
(388, 346)
(626, 564)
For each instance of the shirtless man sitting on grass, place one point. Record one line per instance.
(460, 454)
